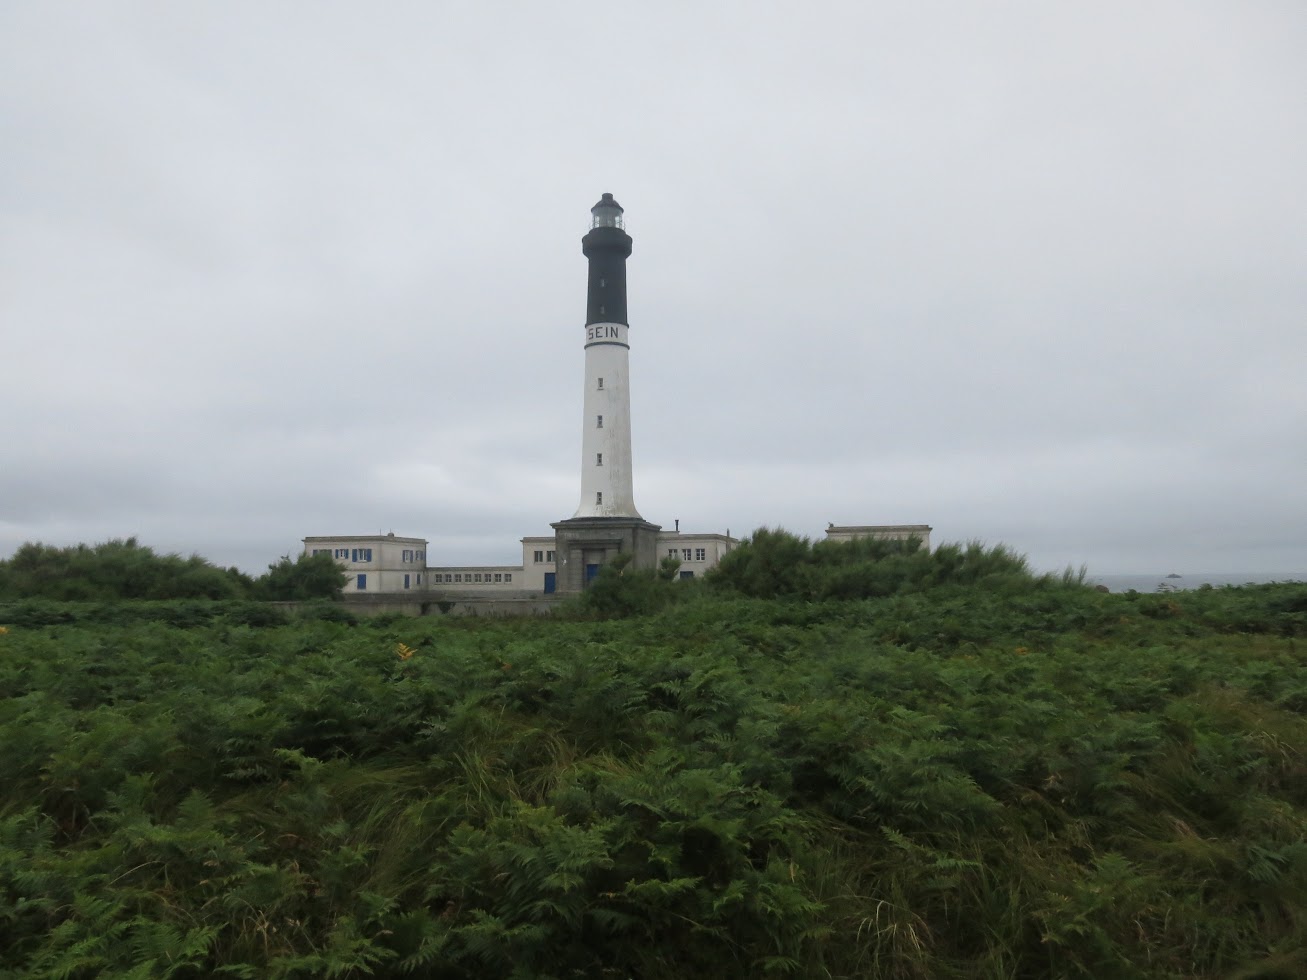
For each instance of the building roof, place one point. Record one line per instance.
(878, 527)
(363, 537)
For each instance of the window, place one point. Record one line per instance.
(539, 557)
(671, 552)
(601, 384)
(421, 555)
(499, 577)
(549, 556)
(322, 551)
(449, 577)
(476, 577)
(599, 497)
(600, 424)
(599, 461)
(406, 580)
(362, 582)
(508, 576)
(361, 554)
(685, 554)
(419, 578)
(342, 552)
(700, 554)
(408, 555)
(458, 576)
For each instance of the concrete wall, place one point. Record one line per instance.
(408, 605)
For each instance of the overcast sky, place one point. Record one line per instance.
(1027, 272)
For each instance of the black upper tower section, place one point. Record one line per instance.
(606, 245)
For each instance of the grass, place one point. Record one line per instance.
(949, 779)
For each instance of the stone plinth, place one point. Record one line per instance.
(591, 542)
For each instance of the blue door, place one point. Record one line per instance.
(551, 582)
(590, 572)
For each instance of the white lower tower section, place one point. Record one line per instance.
(606, 426)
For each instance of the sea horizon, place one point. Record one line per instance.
(1164, 582)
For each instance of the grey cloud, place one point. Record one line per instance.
(1029, 274)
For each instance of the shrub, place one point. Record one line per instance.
(776, 564)
(117, 569)
(306, 577)
(619, 590)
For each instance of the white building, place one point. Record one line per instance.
(398, 565)
(376, 563)
(369, 572)
(697, 553)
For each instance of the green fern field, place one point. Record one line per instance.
(1007, 777)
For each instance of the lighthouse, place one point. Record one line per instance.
(606, 522)
(606, 417)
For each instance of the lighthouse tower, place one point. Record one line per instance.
(606, 522)
(606, 419)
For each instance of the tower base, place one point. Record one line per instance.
(584, 544)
